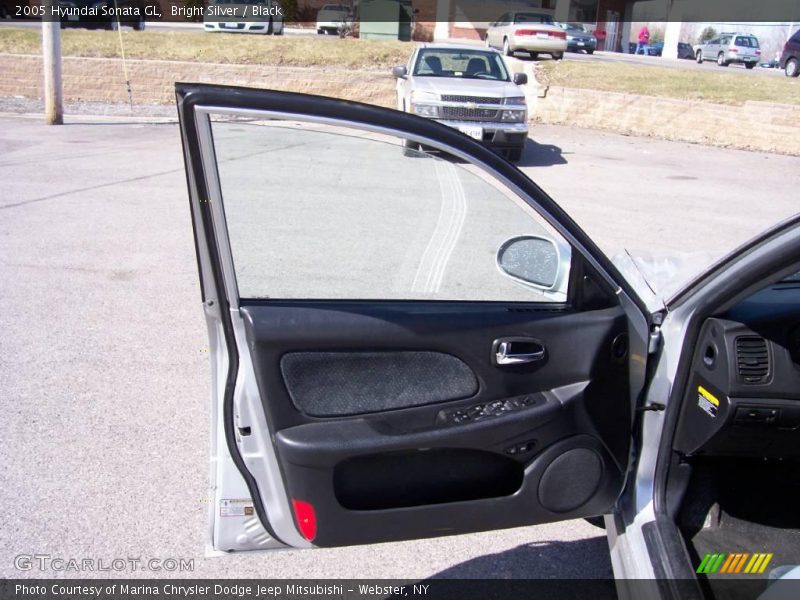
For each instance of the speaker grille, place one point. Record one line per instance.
(570, 480)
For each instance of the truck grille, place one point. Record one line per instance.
(468, 114)
(475, 99)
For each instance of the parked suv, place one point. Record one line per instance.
(790, 59)
(332, 17)
(730, 48)
(469, 89)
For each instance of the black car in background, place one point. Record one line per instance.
(578, 38)
(790, 59)
(685, 51)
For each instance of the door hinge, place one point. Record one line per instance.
(654, 341)
(654, 406)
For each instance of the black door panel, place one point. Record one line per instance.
(348, 383)
(538, 441)
(442, 394)
(575, 473)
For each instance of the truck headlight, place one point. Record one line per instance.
(514, 116)
(425, 110)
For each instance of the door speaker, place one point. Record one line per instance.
(570, 480)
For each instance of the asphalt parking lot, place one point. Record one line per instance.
(102, 347)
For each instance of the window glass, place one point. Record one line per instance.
(746, 41)
(456, 62)
(532, 18)
(315, 212)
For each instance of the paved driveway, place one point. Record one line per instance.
(102, 365)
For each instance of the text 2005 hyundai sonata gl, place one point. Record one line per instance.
(415, 346)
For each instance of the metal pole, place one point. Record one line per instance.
(51, 64)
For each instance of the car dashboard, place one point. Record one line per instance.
(743, 397)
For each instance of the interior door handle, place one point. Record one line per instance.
(516, 351)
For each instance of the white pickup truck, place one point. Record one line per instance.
(470, 89)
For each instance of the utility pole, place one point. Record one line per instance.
(51, 63)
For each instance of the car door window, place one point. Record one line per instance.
(363, 395)
(367, 221)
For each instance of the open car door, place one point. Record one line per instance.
(403, 344)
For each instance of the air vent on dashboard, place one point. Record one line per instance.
(752, 359)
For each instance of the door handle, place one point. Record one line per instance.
(516, 351)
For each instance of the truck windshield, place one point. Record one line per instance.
(460, 63)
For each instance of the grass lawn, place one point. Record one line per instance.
(216, 47)
(711, 84)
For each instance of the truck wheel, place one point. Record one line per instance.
(791, 69)
(557, 55)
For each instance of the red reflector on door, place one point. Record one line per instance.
(306, 519)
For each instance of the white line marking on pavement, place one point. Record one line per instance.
(452, 215)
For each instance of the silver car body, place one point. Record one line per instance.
(527, 31)
(728, 48)
(658, 345)
(472, 106)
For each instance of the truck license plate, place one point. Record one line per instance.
(473, 132)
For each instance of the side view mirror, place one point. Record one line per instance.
(400, 72)
(520, 78)
(532, 260)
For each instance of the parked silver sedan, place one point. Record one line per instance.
(468, 88)
(532, 32)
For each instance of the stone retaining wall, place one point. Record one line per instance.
(755, 125)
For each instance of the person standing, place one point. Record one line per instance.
(644, 40)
